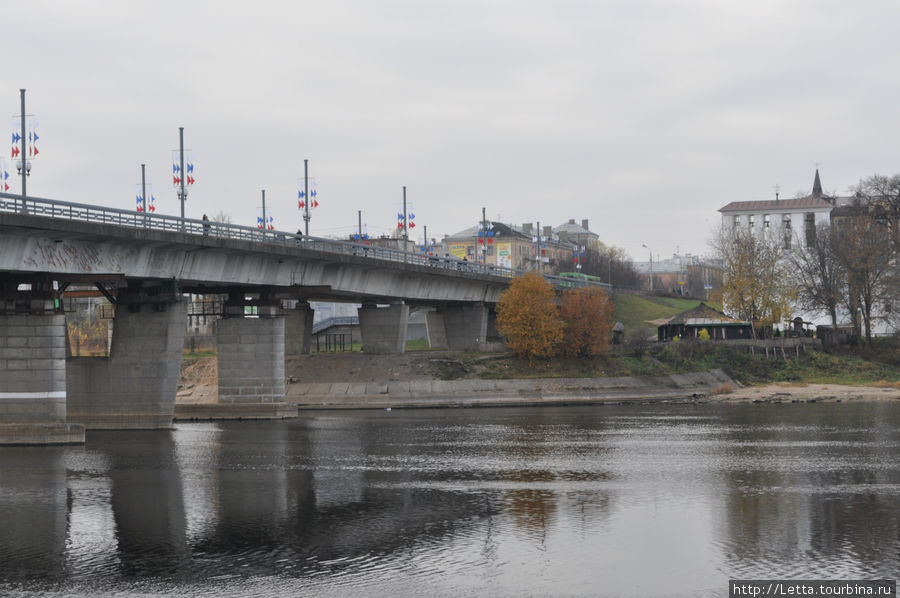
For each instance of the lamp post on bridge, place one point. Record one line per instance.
(182, 174)
(27, 148)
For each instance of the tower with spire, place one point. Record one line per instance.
(817, 186)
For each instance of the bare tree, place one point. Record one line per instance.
(880, 194)
(222, 218)
(819, 273)
(612, 265)
(865, 252)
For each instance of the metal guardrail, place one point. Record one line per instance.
(65, 210)
(335, 321)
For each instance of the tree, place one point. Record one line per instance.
(819, 272)
(528, 317)
(756, 283)
(587, 316)
(865, 252)
(612, 265)
(222, 217)
(881, 195)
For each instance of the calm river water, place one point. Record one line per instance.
(577, 501)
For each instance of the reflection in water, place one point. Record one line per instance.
(34, 509)
(631, 501)
(816, 492)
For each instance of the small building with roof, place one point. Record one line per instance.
(688, 324)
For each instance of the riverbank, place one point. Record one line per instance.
(357, 381)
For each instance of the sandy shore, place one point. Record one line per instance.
(785, 393)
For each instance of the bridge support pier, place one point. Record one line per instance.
(251, 358)
(133, 388)
(298, 325)
(434, 328)
(383, 329)
(33, 367)
(465, 326)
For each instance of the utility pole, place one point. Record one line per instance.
(425, 232)
(359, 224)
(143, 189)
(540, 244)
(651, 266)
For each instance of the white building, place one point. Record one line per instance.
(794, 220)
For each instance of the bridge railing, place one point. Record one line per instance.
(64, 210)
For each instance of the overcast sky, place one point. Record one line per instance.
(642, 117)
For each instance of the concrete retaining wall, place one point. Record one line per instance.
(464, 393)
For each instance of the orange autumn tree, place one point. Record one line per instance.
(587, 316)
(528, 317)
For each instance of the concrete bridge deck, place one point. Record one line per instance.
(144, 263)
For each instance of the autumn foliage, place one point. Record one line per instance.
(536, 326)
(528, 317)
(587, 316)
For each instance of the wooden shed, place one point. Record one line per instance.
(688, 324)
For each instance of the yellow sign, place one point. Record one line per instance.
(458, 251)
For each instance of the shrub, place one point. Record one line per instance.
(587, 316)
(528, 317)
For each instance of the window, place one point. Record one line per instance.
(766, 221)
(786, 228)
(736, 221)
(752, 221)
(809, 227)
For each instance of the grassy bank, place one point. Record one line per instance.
(879, 367)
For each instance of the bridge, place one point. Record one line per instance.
(146, 263)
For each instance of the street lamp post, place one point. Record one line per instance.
(651, 266)
(27, 149)
(26, 167)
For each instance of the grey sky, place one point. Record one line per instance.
(643, 117)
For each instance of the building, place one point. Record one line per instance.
(687, 274)
(511, 247)
(793, 220)
(688, 325)
(580, 236)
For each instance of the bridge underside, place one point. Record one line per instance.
(49, 396)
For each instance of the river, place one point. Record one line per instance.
(665, 500)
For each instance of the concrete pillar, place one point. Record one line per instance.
(437, 334)
(383, 329)
(251, 360)
(466, 326)
(33, 377)
(298, 325)
(134, 387)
